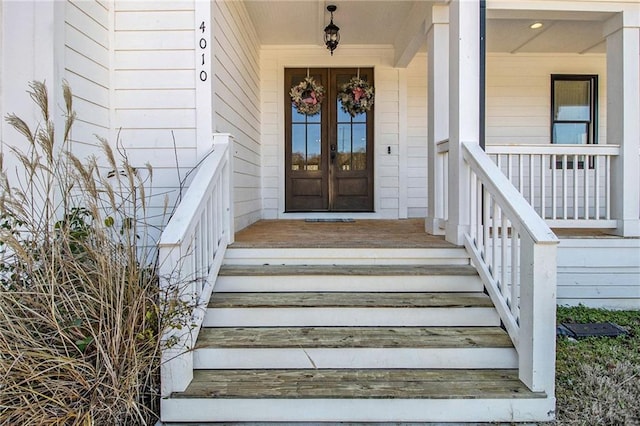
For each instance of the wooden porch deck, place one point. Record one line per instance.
(366, 233)
(361, 233)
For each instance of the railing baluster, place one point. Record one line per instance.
(494, 238)
(607, 190)
(531, 180)
(504, 255)
(554, 188)
(515, 270)
(543, 187)
(486, 212)
(576, 170)
(564, 187)
(586, 187)
(596, 185)
(520, 175)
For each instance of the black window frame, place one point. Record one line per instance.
(592, 125)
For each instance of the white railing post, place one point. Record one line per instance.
(536, 352)
(464, 101)
(438, 116)
(623, 109)
(225, 139)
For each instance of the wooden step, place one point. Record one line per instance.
(338, 395)
(401, 278)
(348, 299)
(354, 347)
(369, 270)
(350, 309)
(341, 383)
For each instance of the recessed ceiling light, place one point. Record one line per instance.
(535, 25)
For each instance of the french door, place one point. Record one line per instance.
(328, 156)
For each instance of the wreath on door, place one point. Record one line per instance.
(356, 96)
(307, 96)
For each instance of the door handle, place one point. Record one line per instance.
(333, 152)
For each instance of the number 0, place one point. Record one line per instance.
(203, 76)
(203, 43)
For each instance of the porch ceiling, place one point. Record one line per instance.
(400, 23)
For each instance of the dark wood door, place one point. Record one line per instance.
(328, 156)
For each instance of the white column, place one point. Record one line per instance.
(438, 114)
(464, 97)
(623, 118)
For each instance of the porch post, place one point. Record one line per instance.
(438, 114)
(623, 118)
(464, 110)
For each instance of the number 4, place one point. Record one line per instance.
(202, 27)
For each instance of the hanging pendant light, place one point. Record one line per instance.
(331, 31)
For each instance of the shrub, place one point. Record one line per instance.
(79, 304)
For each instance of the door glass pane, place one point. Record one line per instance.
(298, 146)
(313, 147)
(359, 152)
(344, 147)
(351, 140)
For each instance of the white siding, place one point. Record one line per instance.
(274, 59)
(417, 136)
(519, 94)
(236, 101)
(86, 62)
(599, 272)
(154, 90)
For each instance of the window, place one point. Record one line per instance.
(574, 109)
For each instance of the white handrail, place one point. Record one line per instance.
(568, 185)
(514, 251)
(192, 248)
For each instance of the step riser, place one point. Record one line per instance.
(315, 283)
(457, 358)
(346, 257)
(317, 317)
(358, 410)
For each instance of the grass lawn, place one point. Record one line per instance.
(598, 378)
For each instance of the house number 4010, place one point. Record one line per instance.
(202, 44)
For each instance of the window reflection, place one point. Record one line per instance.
(352, 141)
(305, 141)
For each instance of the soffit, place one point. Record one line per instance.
(380, 22)
(282, 22)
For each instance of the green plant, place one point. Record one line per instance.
(80, 309)
(598, 378)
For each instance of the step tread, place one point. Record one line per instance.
(348, 383)
(380, 270)
(349, 299)
(353, 337)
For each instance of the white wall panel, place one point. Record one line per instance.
(519, 94)
(599, 272)
(236, 102)
(417, 136)
(153, 90)
(86, 62)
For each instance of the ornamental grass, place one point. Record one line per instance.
(79, 302)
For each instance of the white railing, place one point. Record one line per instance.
(568, 185)
(192, 247)
(514, 251)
